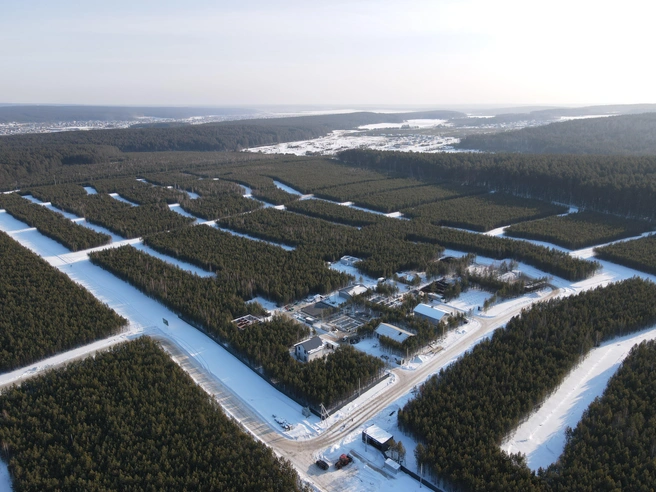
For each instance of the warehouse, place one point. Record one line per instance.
(394, 332)
(352, 291)
(429, 313)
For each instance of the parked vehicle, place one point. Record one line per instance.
(322, 464)
(343, 461)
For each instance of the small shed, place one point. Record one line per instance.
(376, 437)
(392, 466)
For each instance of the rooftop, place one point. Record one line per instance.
(430, 311)
(393, 332)
(377, 434)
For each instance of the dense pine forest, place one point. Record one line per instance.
(42, 311)
(484, 212)
(612, 447)
(51, 224)
(119, 217)
(638, 253)
(462, 414)
(129, 419)
(618, 135)
(210, 304)
(579, 230)
(623, 185)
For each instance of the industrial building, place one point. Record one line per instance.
(349, 260)
(394, 332)
(245, 321)
(352, 291)
(429, 313)
(377, 437)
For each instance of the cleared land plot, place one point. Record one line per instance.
(52, 224)
(130, 419)
(639, 253)
(43, 312)
(484, 212)
(579, 230)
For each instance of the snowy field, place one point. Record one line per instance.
(175, 207)
(413, 124)
(339, 140)
(5, 479)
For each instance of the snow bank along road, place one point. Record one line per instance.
(220, 375)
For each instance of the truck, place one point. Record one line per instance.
(343, 460)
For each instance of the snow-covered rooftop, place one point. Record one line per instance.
(377, 434)
(430, 312)
(393, 332)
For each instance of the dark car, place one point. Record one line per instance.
(322, 464)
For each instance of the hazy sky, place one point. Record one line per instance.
(412, 52)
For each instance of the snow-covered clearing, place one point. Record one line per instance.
(90, 190)
(118, 197)
(339, 140)
(542, 436)
(286, 188)
(175, 207)
(413, 124)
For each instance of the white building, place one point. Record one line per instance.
(352, 291)
(311, 349)
(430, 313)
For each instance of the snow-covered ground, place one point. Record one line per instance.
(339, 140)
(175, 207)
(118, 197)
(252, 238)
(422, 123)
(286, 188)
(5, 479)
(90, 190)
(542, 436)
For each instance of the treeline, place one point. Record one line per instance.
(119, 217)
(638, 253)
(215, 207)
(622, 185)
(461, 415)
(23, 155)
(484, 212)
(332, 212)
(51, 224)
(383, 250)
(210, 304)
(612, 447)
(248, 267)
(130, 419)
(43, 312)
(626, 134)
(137, 191)
(579, 230)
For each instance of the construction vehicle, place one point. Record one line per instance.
(343, 460)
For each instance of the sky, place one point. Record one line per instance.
(337, 53)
